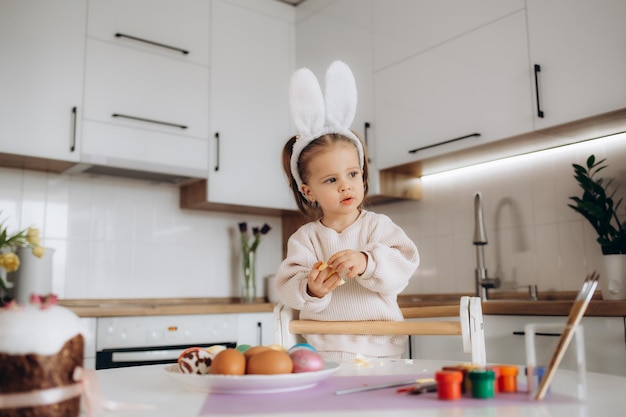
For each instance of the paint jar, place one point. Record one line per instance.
(508, 378)
(449, 384)
(483, 381)
(460, 369)
(466, 386)
(536, 375)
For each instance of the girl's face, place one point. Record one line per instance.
(336, 180)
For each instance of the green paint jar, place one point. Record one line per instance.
(483, 381)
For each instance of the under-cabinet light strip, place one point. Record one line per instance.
(492, 164)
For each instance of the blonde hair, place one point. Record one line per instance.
(311, 210)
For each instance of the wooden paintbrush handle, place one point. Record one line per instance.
(578, 309)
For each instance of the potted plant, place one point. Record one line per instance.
(599, 207)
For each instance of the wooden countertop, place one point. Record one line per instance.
(552, 306)
(162, 306)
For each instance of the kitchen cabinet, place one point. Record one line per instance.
(147, 87)
(255, 329)
(252, 61)
(439, 347)
(605, 346)
(348, 39)
(471, 90)
(42, 47)
(579, 48)
(347, 36)
(404, 28)
(178, 27)
(90, 327)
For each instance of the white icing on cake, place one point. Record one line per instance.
(29, 329)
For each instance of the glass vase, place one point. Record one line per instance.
(3, 291)
(248, 293)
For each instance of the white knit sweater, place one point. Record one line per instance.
(392, 260)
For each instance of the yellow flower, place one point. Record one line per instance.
(9, 261)
(32, 236)
(39, 251)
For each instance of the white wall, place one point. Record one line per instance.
(119, 238)
(534, 237)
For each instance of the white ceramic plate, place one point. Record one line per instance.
(251, 384)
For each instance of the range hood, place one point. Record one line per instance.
(133, 173)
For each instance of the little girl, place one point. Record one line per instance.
(370, 259)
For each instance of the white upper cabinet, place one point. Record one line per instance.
(252, 61)
(147, 86)
(177, 29)
(348, 39)
(42, 48)
(476, 87)
(404, 28)
(580, 47)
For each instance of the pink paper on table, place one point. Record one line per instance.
(322, 398)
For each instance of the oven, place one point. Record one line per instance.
(149, 340)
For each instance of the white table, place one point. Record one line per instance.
(606, 394)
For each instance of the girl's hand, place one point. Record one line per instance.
(350, 263)
(322, 282)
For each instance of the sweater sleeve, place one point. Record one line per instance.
(291, 277)
(392, 258)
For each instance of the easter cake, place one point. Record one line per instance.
(41, 346)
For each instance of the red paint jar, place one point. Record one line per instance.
(449, 384)
(466, 385)
(496, 371)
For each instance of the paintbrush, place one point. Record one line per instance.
(573, 319)
(387, 385)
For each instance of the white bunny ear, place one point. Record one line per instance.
(341, 96)
(307, 103)
(315, 117)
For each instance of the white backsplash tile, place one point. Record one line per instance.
(118, 238)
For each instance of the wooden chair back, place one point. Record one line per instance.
(289, 328)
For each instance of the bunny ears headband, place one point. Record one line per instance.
(315, 115)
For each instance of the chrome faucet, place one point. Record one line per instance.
(483, 283)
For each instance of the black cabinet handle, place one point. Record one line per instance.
(161, 45)
(366, 128)
(539, 334)
(217, 155)
(73, 139)
(445, 142)
(141, 119)
(537, 71)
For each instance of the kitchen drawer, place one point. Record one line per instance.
(138, 149)
(173, 95)
(145, 112)
(181, 24)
